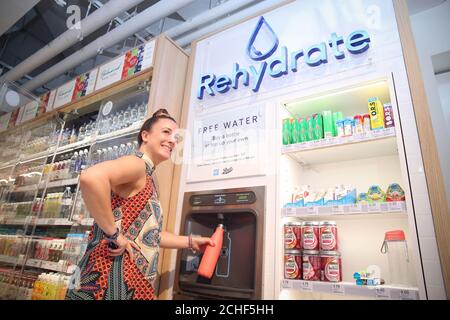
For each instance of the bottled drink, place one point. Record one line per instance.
(134, 114)
(73, 136)
(122, 150)
(121, 120)
(66, 204)
(129, 148)
(127, 117)
(142, 111)
(115, 152)
(396, 249)
(211, 255)
(109, 154)
(81, 132)
(88, 130)
(73, 164)
(84, 159)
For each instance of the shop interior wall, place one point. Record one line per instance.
(430, 31)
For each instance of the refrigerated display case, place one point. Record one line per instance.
(357, 179)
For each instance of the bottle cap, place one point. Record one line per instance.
(396, 235)
(220, 225)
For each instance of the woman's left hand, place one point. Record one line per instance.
(200, 243)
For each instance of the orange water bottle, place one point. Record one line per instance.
(211, 255)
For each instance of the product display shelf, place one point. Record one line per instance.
(77, 145)
(119, 133)
(386, 292)
(38, 222)
(10, 259)
(43, 154)
(347, 209)
(59, 183)
(377, 143)
(60, 266)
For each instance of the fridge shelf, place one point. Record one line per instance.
(10, 259)
(77, 145)
(347, 209)
(59, 183)
(43, 154)
(39, 222)
(374, 144)
(47, 265)
(385, 292)
(53, 184)
(119, 133)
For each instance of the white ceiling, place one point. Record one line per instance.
(416, 6)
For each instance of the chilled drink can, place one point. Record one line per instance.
(318, 126)
(294, 131)
(286, 131)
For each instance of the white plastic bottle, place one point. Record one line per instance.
(66, 203)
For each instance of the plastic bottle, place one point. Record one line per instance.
(84, 159)
(73, 164)
(81, 132)
(66, 204)
(396, 249)
(211, 255)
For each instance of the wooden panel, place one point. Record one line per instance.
(168, 274)
(167, 91)
(435, 182)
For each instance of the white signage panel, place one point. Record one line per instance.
(110, 72)
(4, 121)
(228, 144)
(64, 94)
(30, 111)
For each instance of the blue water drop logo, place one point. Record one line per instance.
(254, 53)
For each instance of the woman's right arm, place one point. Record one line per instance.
(97, 182)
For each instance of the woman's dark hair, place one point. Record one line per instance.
(148, 124)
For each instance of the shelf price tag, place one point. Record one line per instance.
(290, 211)
(382, 293)
(51, 222)
(407, 294)
(374, 207)
(337, 209)
(337, 288)
(395, 206)
(311, 211)
(305, 286)
(33, 263)
(286, 284)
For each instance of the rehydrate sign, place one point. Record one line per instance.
(356, 42)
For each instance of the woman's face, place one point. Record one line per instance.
(160, 141)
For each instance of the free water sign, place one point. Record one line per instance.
(355, 43)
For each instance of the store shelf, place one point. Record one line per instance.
(374, 144)
(348, 209)
(119, 133)
(10, 260)
(39, 155)
(47, 265)
(32, 187)
(77, 145)
(52, 184)
(59, 183)
(350, 289)
(60, 266)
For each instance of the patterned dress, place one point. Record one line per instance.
(102, 277)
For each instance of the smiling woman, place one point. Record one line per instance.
(122, 197)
